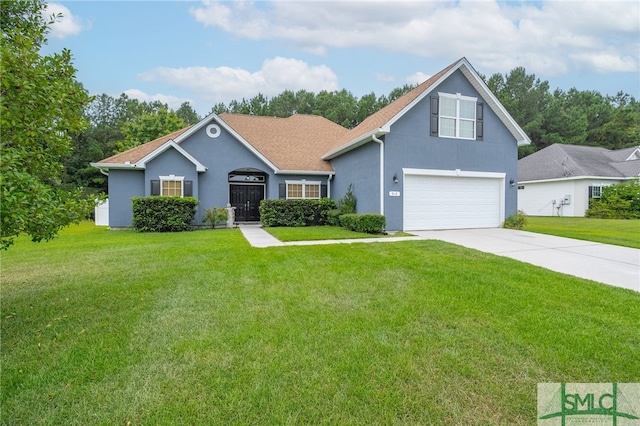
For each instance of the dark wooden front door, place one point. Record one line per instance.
(246, 199)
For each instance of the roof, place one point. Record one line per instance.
(134, 155)
(305, 143)
(560, 161)
(380, 122)
(294, 143)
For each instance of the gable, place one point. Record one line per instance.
(380, 122)
(294, 143)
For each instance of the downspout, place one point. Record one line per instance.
(103, 172)
(329, 186)
(375, 139)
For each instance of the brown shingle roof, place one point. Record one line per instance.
(134, 155)
(383, 116)
(298, 142)
(293, 143)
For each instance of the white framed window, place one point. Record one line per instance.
(457, 116)
(172, 186)
(302, 189)
(596, 190)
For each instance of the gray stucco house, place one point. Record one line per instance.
(443, 156)
(560, 179)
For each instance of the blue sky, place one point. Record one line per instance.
(209, 52)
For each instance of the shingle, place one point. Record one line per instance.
(292, 143)
(135, 154)
(563, 161)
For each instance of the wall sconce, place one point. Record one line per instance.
(395, 178)
(512, 183)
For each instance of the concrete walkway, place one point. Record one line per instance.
(604, 263)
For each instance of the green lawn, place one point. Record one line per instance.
(609, 231)
(316, 233)
(105, 327)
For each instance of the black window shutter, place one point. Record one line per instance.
(434, 116)
(188, 188)
(590, 192)
(479, 122)
(155, 187)
(323, 191)
(282, 190)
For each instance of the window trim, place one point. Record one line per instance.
(599, 188)
(172, 178)
(304, 184)
(457, 97)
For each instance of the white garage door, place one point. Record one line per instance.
(452, 202)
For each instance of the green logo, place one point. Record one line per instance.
(564, 404)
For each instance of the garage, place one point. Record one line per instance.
(443, 199)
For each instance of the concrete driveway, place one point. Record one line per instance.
(614, 265)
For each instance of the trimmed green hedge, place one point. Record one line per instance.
(371, 223)
(293, 213)
(163, 214)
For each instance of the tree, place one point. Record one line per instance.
(41, 106)
(149, 126)
(525, 97)
(187, 114)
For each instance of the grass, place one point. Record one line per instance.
(312, 233)
(608, 231)
(103, 327)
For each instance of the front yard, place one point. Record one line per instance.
(105, 327)
(619, 232)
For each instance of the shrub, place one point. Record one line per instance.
(347, 204)
(620, 201)
(517, 220)
(163, 214)
(215, 216)
(295, 212)
(371, 223)
(332, 217)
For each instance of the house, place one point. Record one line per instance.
(442, 156)
(559, 180)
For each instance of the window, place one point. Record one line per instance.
(302, 189)
(171, 186)
(456, 116)
(595, 191)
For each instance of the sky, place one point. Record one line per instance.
(207, 52)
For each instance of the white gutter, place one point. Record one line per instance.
(329, 185)
(375, 139)
(577, 178)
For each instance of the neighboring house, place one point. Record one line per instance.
(559, 180)
(442, 156)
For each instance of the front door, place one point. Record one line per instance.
(246, 199)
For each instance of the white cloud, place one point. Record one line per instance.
(173, 102)
(224, 84)
(385, 78)
(67, 25)
(550, 37)
(417, 78)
